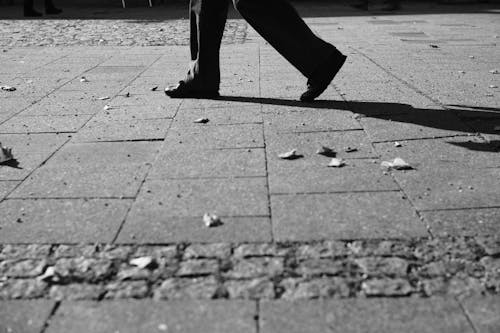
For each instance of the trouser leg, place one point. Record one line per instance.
(280, 24)
(207, 21)
(28, 5)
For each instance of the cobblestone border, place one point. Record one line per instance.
(326, 269)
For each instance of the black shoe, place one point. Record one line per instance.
(53, 11)
(31, 13)
(182, 90)
(316, 88)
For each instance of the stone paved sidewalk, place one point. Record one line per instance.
(109, 170)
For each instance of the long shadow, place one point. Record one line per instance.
(462, 118)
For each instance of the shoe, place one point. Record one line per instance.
(182, 90)
(316, 88)
(53, 11)
(31, 13)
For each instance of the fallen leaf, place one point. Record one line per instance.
(326, 151)
(127, 94)
(201, 121)
(7, 88)
(472, 57)
(84, 79)
(461, 72)
(5, 154)
(290, 155)
(107, 107)
(493, 86)
(49, 275)
(350, 149)
(336, 163)
(397, 164)
(434, 46)
(154, 88)
(143, 262)
(494, 71)
(397, 144)
(211, 220)
(103, 98)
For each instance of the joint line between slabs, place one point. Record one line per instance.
(50, 316)
(466, 315)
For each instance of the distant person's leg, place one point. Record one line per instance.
(29, 11)
(280, 25)
(207, 21)
(50, 8)
(391, 5)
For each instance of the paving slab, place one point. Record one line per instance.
(44, 124)
(65, 103)
(483, 312)
(24, 316)
(125, 130)
(150, 316)
(445, 188)
(463, 222)
(152, 227)
(61, 221)
(175, 162)
(152, 99)
(396, 315)
(226, 136)
(134, 112)
(6, 187)
(218, 116)
(357, 175)
(344, 216)
(291, 317)
(446, 153)
(195, 197)
(416, 125)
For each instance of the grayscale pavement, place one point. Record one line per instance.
(108, 170)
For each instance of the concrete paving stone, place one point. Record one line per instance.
(125, 130)
(487, 129)
(291, 317)
(135, 112)
(311, 120)
(416, 125)
(151, 99)
(151, 316)
(24, 316)
(195, 197)
(230, 101)
(196, 163)
(463, 222)
(163, 229)
(218, 116)
(217, 137)
(483, 312)
(344, 216)
(6, 187)
(61, 221)
(431, 188)
(107, 70)
(33, 87)
(444, 153)
(395, 315)
(307, 144)
(131, 60)
(44, 124)
(357, 175)
(10, 106)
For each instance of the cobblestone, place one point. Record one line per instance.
(421, 267)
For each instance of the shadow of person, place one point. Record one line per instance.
(461, 118)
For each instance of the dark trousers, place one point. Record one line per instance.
(28, 4)
(275, 20)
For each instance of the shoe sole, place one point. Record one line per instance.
(319, 92)
(193, 94)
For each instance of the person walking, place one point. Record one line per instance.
(29, 10)
(278, 23)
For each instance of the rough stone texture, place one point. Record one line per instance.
(466, 222)
(483, 313)
(24, 316)
(196, 288)
(197, 267)
(215, 250)
(261, 288)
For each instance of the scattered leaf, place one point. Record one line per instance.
(7, 88)
(434, 46)
(336, 163)
(104, 98)
(201, 121)
(143, 262)
(461, 72)
(154, 88)
(397, 164)
(493, 86)
(5, 154)
(49, 274)
(326, 151)
(397, 144)
(494, 71)
(472, 57)
(107, 107)
(290, 155)
(211, 220)
(84, 79)
(127, 94)
(350, 149)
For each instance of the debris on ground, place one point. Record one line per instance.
(104, 98)
(350, 149)
(397, 164)
(211, 220)
(163, 327)
(154, 88)
(326, 151)
(107, 107)
(127, 94)
(336, 163)
(5, 154)
(493, 86)
(7, 88)
(434, 46)
(84, 79)
(290, 155)
(472, 57)
(201, 120)
(461, 72)
(143, 262)
(398, 144)
(494, 71)
(49, 275)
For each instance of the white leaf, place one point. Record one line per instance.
(142, 262)
(84, 79)
(397, 144)
(397, 164)
(211, 220)
(201, 121)
(8, 88)
(104, 98)
(5, 154)
(494, 71)
(336, 163)
(289, 155)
